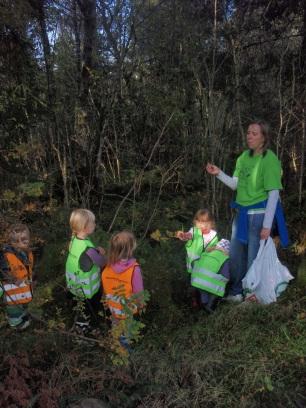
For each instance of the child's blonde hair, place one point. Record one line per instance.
(122, 246)
(204, 215)
(15, 231)
(79, 220)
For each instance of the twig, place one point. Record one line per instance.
(141, 172)
(84, 338)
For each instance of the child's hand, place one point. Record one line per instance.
(183, 236)
(179, 234)
(101, 250)
(216, 248)
(211, 248)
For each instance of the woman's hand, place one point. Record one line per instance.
(265, 233)
(212, 169)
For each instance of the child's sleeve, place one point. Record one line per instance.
(91, 257)
(137, 282)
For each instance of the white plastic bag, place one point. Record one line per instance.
(267, 278)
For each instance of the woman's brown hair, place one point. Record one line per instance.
(265, 131)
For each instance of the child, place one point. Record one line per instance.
(16, 265)
(83, 268)
(122, 275)
(201, 236)
(207, 259)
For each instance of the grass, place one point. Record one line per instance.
(242, 356)
(252, 356)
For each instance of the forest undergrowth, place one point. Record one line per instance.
(241, 356)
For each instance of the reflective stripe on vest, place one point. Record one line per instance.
(114, 310)
(114, 298)
(206, 280)
(79, 288)
(205, 272)
(191, 257)
(117, 312)
(84, 280)
(17, 298)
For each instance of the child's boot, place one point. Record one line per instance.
(82, 328)
(211, 305)
(24, 324)
(195, 299)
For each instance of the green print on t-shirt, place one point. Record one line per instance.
(244, 173)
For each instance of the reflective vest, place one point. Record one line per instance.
(196, 246)
(117, 288)
(21, 270)
(205, 272)
(81, 284)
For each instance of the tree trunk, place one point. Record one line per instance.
(76, 28)
(38, 7)
(88, 9)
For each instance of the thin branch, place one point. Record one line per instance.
(140, 175)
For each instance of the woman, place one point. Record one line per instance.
(257, 180)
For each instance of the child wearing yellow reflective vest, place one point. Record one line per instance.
(83, 268)
(207, 259)
(16, 265)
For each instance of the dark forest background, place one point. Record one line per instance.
(107, 102)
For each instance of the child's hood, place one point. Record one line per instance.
(13, 250)
(123, 265)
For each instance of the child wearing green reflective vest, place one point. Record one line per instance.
(207, 259)
(83, 269)
(210, 274)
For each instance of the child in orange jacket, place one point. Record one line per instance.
(121, 279)
(16, 266)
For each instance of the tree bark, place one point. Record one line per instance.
(38, 7)
(88, 9)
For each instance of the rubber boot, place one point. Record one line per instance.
(195, 299)
(211, 305)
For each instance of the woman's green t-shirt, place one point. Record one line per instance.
(257, 175)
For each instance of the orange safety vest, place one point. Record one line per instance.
(14, 294)
(117, 288)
